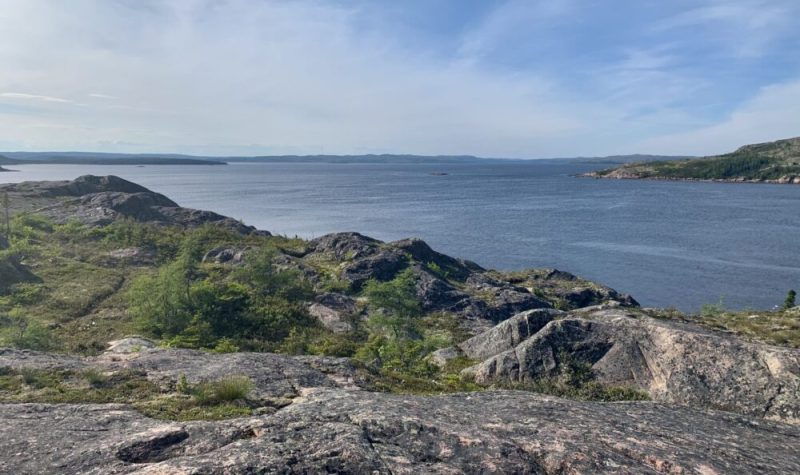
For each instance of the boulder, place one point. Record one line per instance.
(435, 294)
(672, 362)
(334, 311)
(507, 334)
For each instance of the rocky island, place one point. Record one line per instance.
(771, 162)
(138, 336)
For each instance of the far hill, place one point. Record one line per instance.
(770, 162)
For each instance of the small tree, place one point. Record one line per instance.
(395, 303)
(790, 300)
(7, 217)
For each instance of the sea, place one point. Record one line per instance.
(668, 244)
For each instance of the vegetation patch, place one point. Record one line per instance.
(221, 399)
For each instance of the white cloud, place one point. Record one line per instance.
(253, 76)
(744, 27)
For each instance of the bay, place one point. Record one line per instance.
(678, 244)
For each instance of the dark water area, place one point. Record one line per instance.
(676, 244)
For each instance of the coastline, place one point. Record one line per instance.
(594, 175)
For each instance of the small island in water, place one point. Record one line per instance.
(771, 162)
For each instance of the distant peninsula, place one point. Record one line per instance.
(771, 162)
(80, 158)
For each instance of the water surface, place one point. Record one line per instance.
(666, 243)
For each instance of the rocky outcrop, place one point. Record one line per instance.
(568, 290)
(451, 268)
(672, 362)
(345, 246)
(341, 431)
(444, 284)
(12, 271)
(100, 200)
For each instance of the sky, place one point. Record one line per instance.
(514, 79)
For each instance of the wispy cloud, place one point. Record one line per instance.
(771, 115)
(34, 97)
(100, 96)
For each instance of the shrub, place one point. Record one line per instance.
(34, 336)
(225, 345)
(95, 378)
(709, 310)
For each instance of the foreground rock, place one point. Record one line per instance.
(340, 431)
(672, 362)
(320, 421)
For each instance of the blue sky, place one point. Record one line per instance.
(492, 78)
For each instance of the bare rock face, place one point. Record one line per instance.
(136, 256)
(333, 310)
(435, 294)
(273, 376)
(100, 200)
(345, 246)
(381, 265)
(325, 424)
(340, 431)
(227, 255)
(672, 362)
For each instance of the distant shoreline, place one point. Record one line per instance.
(596, 176)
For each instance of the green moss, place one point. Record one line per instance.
(405, 383)
(590, 391)
(177, 408)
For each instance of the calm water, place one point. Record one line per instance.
(679, 244)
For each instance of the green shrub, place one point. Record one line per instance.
(394, 304)
(710, 310)
(225, 345)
